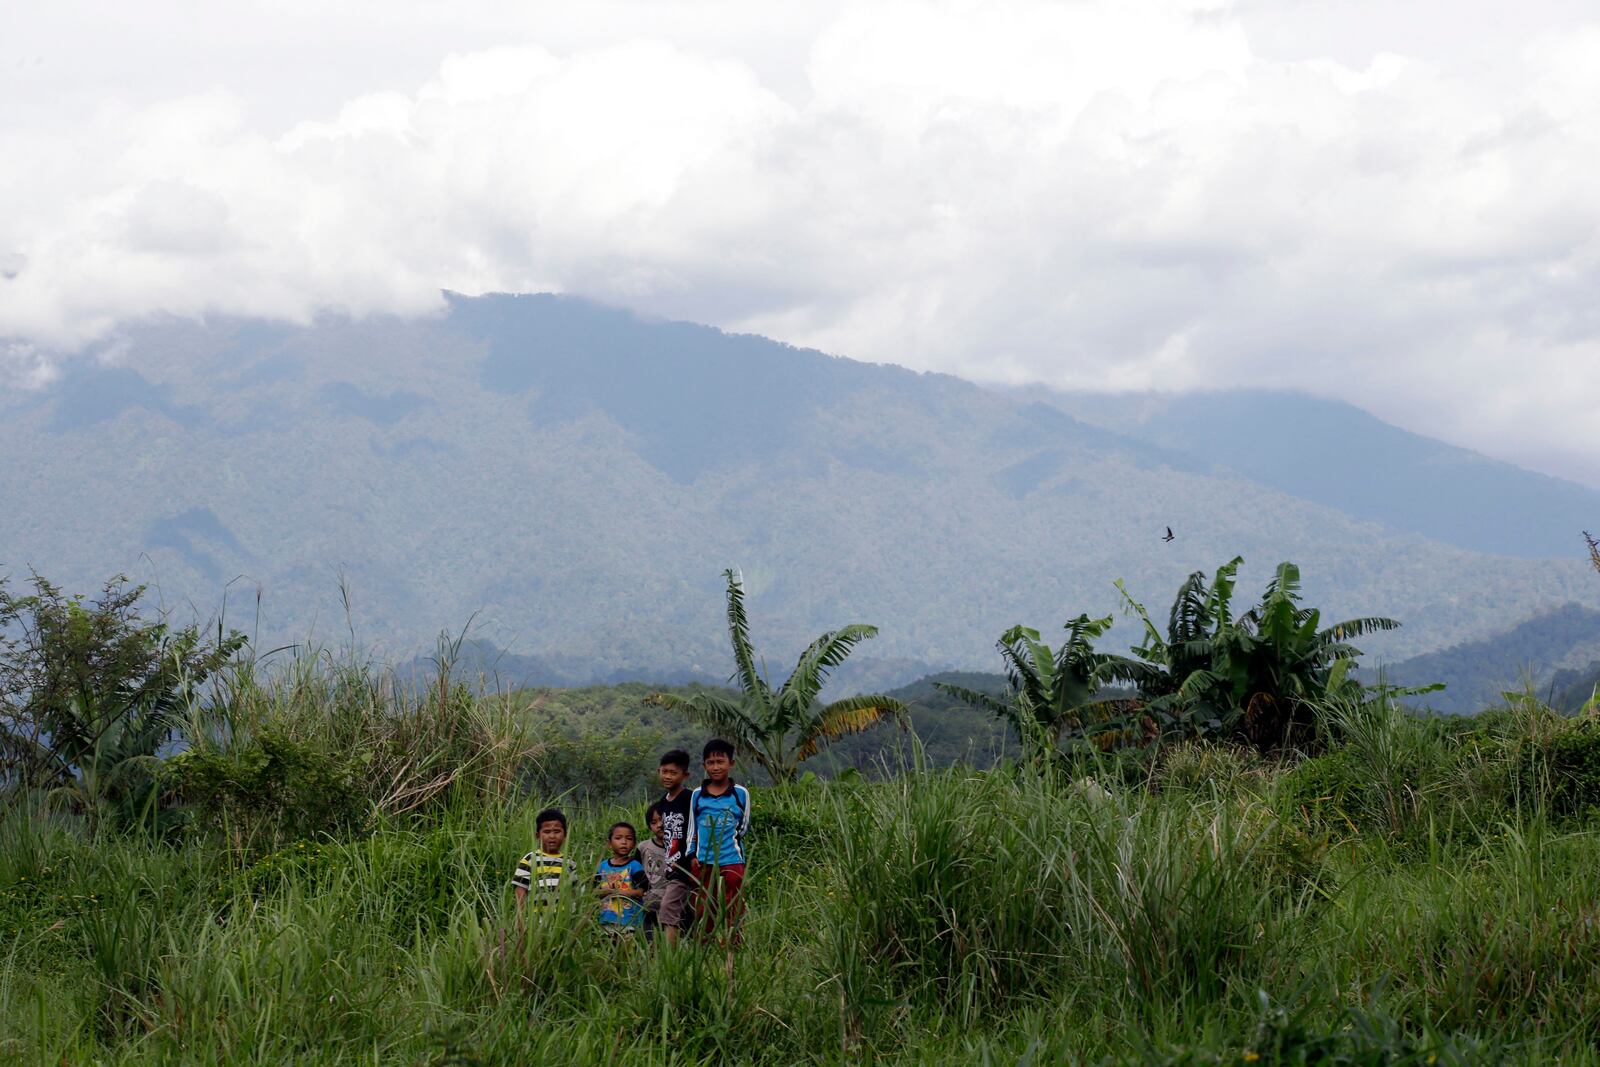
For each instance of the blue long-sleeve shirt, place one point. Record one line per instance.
(717, 825)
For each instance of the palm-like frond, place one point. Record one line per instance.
(973, 698)
(821, 657)
(1196, 683)
(723, 717)
(1154, 646)
(1221, 599)
(1030, 665)
(1349, 628)
(852, 715)
(744, 656)
(1285, 583)
(1114, 668)
(1188, 617)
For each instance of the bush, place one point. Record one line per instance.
(1562, 770)
(1326, 789)
(271, 785)
(90, 692)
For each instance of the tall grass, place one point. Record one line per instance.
(1410, 894)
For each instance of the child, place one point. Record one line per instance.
(540, 873)
(621, 883)
(674, 805)
(653, 855)
(719, 817)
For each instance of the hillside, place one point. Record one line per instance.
(1337, 455)
(573, 479)
(1545, 653)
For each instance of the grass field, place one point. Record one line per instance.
(1422, 892)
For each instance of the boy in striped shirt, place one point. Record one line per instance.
(540, 873)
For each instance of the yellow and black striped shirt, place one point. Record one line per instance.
(541, 876)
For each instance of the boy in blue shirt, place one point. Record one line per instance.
(719, 818)
(621, 883)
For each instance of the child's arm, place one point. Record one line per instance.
(523, 879)
(691, 831)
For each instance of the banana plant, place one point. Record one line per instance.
(1054, 693)
(1258, 674)
(779, 728)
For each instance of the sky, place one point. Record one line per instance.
(1387, 203)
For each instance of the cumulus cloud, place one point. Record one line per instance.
(1141, 194)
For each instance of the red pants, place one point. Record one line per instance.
(715, 903)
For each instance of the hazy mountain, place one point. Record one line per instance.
(1334, 454)
(1546, 653)
(573, 479)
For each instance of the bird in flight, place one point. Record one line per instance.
(1169, 536)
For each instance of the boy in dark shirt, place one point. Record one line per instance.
(673, 913)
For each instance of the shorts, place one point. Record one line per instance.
(724, 903)
(674, 910)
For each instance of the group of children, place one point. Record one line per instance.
(690, 868)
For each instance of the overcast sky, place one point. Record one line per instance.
(1392, 203)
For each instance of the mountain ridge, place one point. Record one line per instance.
(575, 478)
(1291, 440)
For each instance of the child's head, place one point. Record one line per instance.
(674, 769)
(717, 758)
(652, 819)
(551, 826)
(622, 838)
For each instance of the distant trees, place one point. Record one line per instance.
(781, 727)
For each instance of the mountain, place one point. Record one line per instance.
(1545, 653)
(572, 480)
(1337, 455)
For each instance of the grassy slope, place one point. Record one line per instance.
(1420, 891)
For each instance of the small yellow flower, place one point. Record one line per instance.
(1251, 1056)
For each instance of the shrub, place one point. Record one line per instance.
(90, 692)
(1326, 789)
(1562, 770)
(270, 785)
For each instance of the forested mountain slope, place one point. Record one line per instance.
(1332, 453)
(1545, 653)
(573, 479)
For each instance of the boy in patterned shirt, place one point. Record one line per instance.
(620, 882)
(539, 873)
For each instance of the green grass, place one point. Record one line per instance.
(1422, 893)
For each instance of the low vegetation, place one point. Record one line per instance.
(320, 875)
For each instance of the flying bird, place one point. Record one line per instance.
(1169, 535)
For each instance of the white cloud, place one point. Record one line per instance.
(1137, 194)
